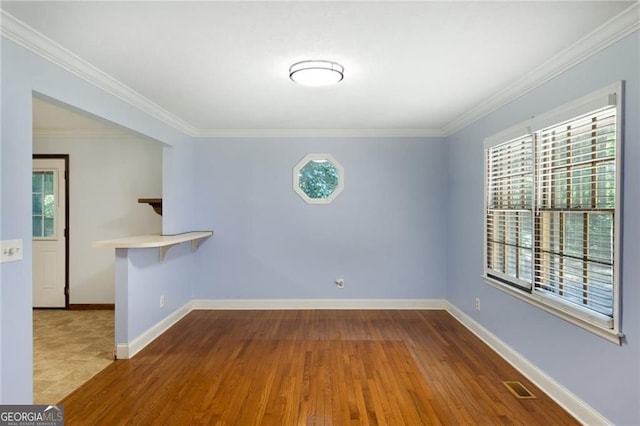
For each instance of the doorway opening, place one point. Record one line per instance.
(50, 218)
(112, 167)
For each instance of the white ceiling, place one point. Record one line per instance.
(411, 68)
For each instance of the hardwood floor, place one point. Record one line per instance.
(314, 368)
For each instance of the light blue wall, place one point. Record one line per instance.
(408, 225)
(177, 188)
(383, 234)
(16, 332)
(604, 375)
(140, 281)
(24, 73)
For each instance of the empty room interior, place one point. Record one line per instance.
(336, 212)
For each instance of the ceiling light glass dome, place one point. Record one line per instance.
(316, 73)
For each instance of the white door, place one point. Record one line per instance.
(49, 240)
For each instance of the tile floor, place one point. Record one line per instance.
(69, 347)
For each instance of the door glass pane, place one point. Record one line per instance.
(49, 206)
(37, 226)
(37, 204)
(49, 231)
(43, 204)
(48, 182)
(37, 182)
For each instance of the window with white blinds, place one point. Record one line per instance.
(552, 197)
(510, 211)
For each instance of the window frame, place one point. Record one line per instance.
(317, 157)
(600, 324)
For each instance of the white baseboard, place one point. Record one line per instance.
(128, 350)
(122, 351)
(261, 304)
(565, 398)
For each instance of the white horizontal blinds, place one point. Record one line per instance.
(576, 200)
(509, 192)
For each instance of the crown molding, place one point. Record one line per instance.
(17, 31)
(327, 133)
(618, 27)
(610, 32)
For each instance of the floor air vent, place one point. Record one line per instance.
(519, 390)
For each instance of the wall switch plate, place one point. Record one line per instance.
(10, 250)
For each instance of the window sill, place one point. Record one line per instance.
(562, 312)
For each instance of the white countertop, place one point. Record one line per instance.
(146, 241)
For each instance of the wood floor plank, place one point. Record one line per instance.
(319, 367)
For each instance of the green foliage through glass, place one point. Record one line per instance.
(318, 179)
(43, 204)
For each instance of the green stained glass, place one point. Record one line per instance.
(318, 179)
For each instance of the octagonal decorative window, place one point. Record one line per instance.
(318, 178)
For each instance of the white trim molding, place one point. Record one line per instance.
(573, 316)
(565, 398)
(620, 26)
(19, 32)
(610, 32)
(122, 351)
(128, 350)
(320, 133)
(286, 304)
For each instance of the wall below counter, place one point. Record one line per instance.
(107, 176)
(383, 234)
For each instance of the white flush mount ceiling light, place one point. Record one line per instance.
(316, 73)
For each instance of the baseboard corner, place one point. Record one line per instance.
(564, 397)
(129, 350)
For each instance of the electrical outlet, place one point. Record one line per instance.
(340, 282)
(477, 303)
(162, 301)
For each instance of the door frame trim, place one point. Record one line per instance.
(67, 234)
